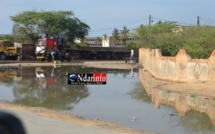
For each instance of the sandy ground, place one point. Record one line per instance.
(96, 64)
(41, 120)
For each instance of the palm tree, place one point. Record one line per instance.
(124, 35)
(115, 36)
(98, 40)
(105, 37)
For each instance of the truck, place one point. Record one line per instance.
(45, 47)
(8, 51)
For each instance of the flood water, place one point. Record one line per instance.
(126, 99)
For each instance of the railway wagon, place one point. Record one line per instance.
(102, 53)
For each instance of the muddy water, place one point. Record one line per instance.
(128, 98)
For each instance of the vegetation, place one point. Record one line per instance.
(29, 25)
(105, 37)
(116, 36)
(124, 35)
(121, 36)
(6, 37)
(198, 41)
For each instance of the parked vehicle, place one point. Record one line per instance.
(49, 49)
(8, 51)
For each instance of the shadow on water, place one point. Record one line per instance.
(131, 98)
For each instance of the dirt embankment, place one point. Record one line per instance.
(96, 64)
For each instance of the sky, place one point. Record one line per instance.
(104, 15)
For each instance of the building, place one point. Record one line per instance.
(105, 41)
(94, 41)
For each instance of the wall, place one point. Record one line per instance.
(180, 68)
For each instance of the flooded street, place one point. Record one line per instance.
(129, 98)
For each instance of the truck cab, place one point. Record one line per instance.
(45, 47)
(8, 51)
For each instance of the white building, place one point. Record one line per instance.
(93, 41)
(105, 42)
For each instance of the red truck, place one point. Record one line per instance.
(51, 49)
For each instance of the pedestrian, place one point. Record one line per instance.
(132, 54)
(53, 52)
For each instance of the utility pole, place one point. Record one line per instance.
(150, 19)
(198, 21)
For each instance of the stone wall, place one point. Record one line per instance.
(180, 68)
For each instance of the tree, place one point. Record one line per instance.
(6, 37)
(141, 33)
(160, 37)
(98, 40)
(105, 37)
(33, 24)
(116, 36)
(124, 35)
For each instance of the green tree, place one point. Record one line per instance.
(33, 24)
(161, 37)
(105, 37)
(7, 37)
(98, 40)
(124, 34)
(199, 42)
(144, 39)
(116, 36)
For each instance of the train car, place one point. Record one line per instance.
(102, 53)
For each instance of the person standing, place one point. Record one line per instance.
(54, 53)
(132, 54)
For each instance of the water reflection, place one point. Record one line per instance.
(139, 94)
(7, 75)
(197, 111)
(126, 99)
(47, 87)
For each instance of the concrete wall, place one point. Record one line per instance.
(180, 68)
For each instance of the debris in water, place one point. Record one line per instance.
(171, 114)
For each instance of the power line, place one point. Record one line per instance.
(171, 21)
(151, 19)
(206, 20)
(119, 25)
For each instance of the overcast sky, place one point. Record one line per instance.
(104, 15)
